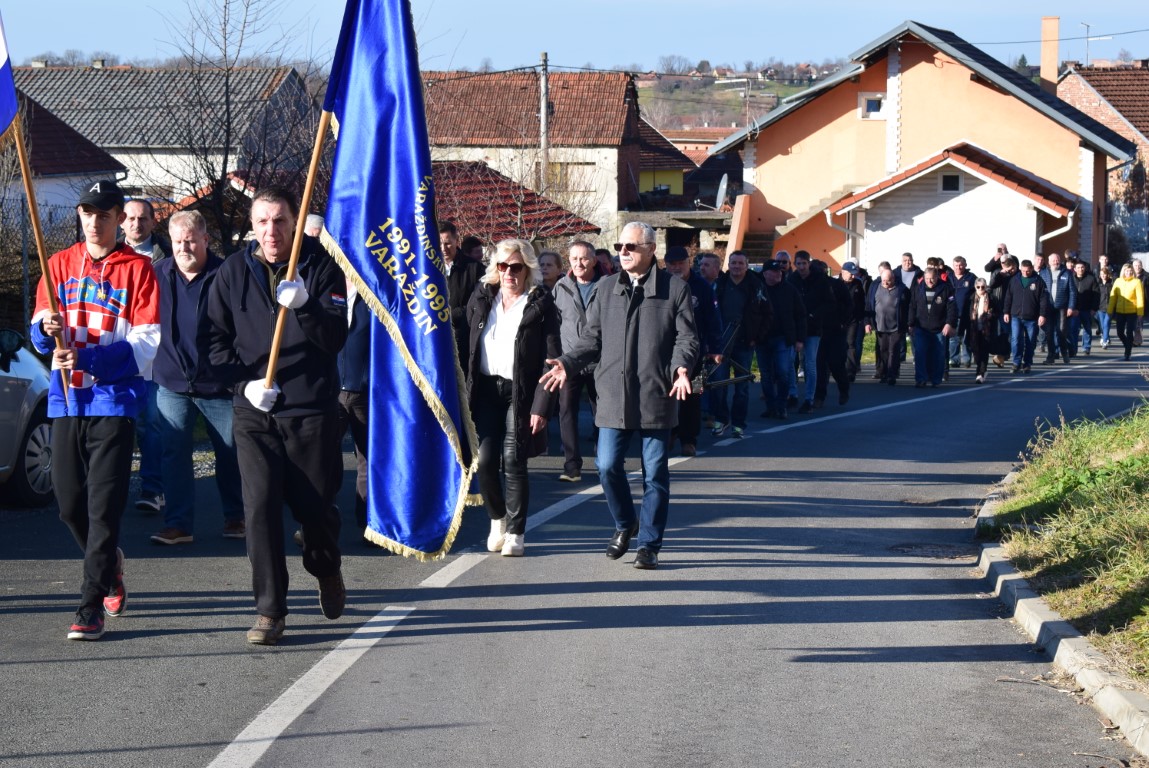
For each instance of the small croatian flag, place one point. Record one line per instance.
(8, 105)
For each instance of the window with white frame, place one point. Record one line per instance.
(872, 105)
(951, 183)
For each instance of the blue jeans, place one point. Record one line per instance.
(1103, 322)
(775, 362)
(810, 364)
(177, 418)
(612, 446)
(959, 353)
(929, 356)
(735, 413)
(1022, 341)
(1081, 331)
(149, 441)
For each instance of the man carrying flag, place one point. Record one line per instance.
(381, 229)
(286, 436)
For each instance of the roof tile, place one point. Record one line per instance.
(501, 109)
(145, 106)
(484, 202)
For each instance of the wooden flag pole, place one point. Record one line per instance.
(38, 232)
(297, 244)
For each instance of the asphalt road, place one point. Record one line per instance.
(816, 605)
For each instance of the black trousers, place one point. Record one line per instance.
(353, 415)
(1127, 325)
(853, 363)
(91, 471)
(890, 345)
(832, 360)
(292, 460)
(570, 396)
(506, 496)
(1057, 335)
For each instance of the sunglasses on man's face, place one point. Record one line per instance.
(629, 246)
(514, 269)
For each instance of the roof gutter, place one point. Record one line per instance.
(839, 227)
(1068, 226)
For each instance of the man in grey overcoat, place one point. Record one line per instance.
(640, 330)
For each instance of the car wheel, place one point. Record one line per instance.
(32, 479)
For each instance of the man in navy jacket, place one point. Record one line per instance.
(187, 386)
(1061, 285)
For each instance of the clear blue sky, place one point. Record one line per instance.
(605, 33)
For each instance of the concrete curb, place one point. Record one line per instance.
(1115, 696)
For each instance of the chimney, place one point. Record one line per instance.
(97, 63)
(1050, 31)
(39, 63)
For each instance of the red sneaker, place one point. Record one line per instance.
(117, 598)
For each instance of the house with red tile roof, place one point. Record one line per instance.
(594, 138)
(925, 143)
(1117, 96)
(485, 203)
(63, 164)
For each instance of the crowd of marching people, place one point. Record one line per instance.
(151, 335)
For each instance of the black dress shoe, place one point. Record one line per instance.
(620, 543)
(645, 560)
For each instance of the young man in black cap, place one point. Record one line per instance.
(107, 324)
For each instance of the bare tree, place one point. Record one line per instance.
(223, 136)
(1124, 56)
(674, 64)
(658, 112)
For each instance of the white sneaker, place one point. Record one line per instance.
(513, 545)
(497, 534)
(979, 379)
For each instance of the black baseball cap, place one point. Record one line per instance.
(104, 195)
(676, 253)
(773, 265)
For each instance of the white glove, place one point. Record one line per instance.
(260, 396)
(291, 293)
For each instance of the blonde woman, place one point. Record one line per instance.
(1126, 306)
(984, 327)
(514, 328)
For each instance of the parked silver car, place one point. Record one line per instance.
(25, 432)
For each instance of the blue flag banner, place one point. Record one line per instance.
(8, 106)
(380, 226)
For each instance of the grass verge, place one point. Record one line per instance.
(1080, 531)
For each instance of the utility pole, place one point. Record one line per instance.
(544, 113)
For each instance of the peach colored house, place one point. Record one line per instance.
(924, 143)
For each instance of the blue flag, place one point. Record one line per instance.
(8, 105)
(381, 228)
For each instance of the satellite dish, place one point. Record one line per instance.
(721, 197)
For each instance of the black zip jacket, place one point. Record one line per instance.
(242, 311)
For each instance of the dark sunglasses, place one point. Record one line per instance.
(514, 269)
(629, 246)
(980, 287)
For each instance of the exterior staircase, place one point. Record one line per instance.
(758, 246)
(816, 209)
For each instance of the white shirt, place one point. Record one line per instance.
(497, 346)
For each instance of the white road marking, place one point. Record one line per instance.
(257, 738)
(250, 745)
